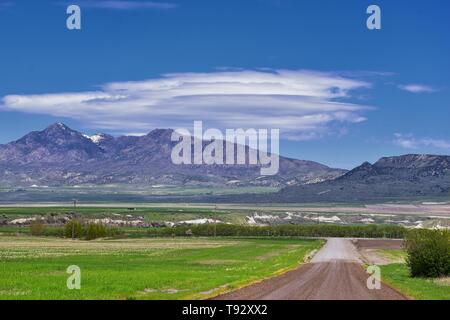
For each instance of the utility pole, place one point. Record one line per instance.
(73, 224)
(215, 221)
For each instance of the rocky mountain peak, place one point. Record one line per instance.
(359, 172)
(58, 128)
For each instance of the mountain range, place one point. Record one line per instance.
(61, 156)
(390, 178)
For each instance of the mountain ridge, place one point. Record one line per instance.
(61, 156)
(405, 176)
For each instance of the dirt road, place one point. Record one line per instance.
(335, 273)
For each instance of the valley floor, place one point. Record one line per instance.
(202, 268)
(35, 268)
(424, 215)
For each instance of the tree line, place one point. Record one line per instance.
(228, 230)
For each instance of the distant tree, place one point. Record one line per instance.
(313, 230)
(73, 229)
(95, 231)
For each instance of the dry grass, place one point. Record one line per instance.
(443, 281)
(28, 243)
(28, 247)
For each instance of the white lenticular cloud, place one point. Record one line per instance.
(417, 88)
(303, 104)
(408, 141)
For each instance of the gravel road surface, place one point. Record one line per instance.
(335, 273)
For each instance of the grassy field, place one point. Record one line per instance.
(397, 275)
(35, 268)
(393, 255)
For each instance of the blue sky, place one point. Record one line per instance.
(340, 93)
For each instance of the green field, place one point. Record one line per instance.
(397, 275)
(35, 268)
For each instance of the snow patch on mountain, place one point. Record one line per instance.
(96, 138)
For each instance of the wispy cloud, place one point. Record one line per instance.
(417, 88)
(303, 104)
(408, 141)
(126, 5)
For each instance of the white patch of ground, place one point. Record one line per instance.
(22, 221)
(325, 219)
(290, 215)
(200, 221)
(119, 222)
(257, 219)
(367, 220)
(440, 227)
(251, 220)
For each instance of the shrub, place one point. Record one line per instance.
(37, 228)
(96, 230)
(73, 229)
(428, 253)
